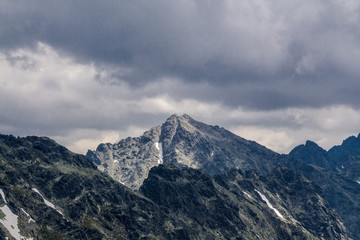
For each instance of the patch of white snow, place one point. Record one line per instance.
(10, 221)
(3, 195)
(116, 161)
(263, 197)
(212, 154)
(358, 182)
(248, 195)
(46, 201)
(159, 148)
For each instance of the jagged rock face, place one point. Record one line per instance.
(306, 203)
(181, 141)
(286, 205)
(211, 148)
(342, 193)
(347, 156)
(343, 159)
(130, 160)
(349, 147)
(47, 192)
(311, 153)
(340, 179)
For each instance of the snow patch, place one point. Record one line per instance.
(263, 197)
(358, 182)
(3, 195)
(116, 161)
(248, 195)
(159, 148)
(212, 154)
(10, 221)
(46, 201)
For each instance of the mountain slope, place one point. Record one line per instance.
(181, 141)
(328, 170)
(286, 205)
(347, 156)
(48, 192)
(60, 195)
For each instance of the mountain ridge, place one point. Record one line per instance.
(51, 193)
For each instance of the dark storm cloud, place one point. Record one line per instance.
(257, 54)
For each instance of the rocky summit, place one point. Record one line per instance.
(184, 142)
(48, 192)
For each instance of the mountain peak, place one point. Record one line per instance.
(177, 116)
(349, 147)
(184, 142)
(311, 144)
(312, 153)
(176, 119)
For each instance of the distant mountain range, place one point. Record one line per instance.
(181, 180)
(185, 142)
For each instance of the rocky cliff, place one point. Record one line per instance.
(181, 141)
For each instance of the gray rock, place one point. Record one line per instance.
(183, 142)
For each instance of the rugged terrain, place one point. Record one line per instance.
(182, 141)
(284, 205)
(47, 192)
(186, 142)
(336, 173)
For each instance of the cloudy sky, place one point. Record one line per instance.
(84, 72)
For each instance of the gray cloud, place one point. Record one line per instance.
(71, 68)
(231, 44)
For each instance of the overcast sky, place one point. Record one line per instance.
(85, 72)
